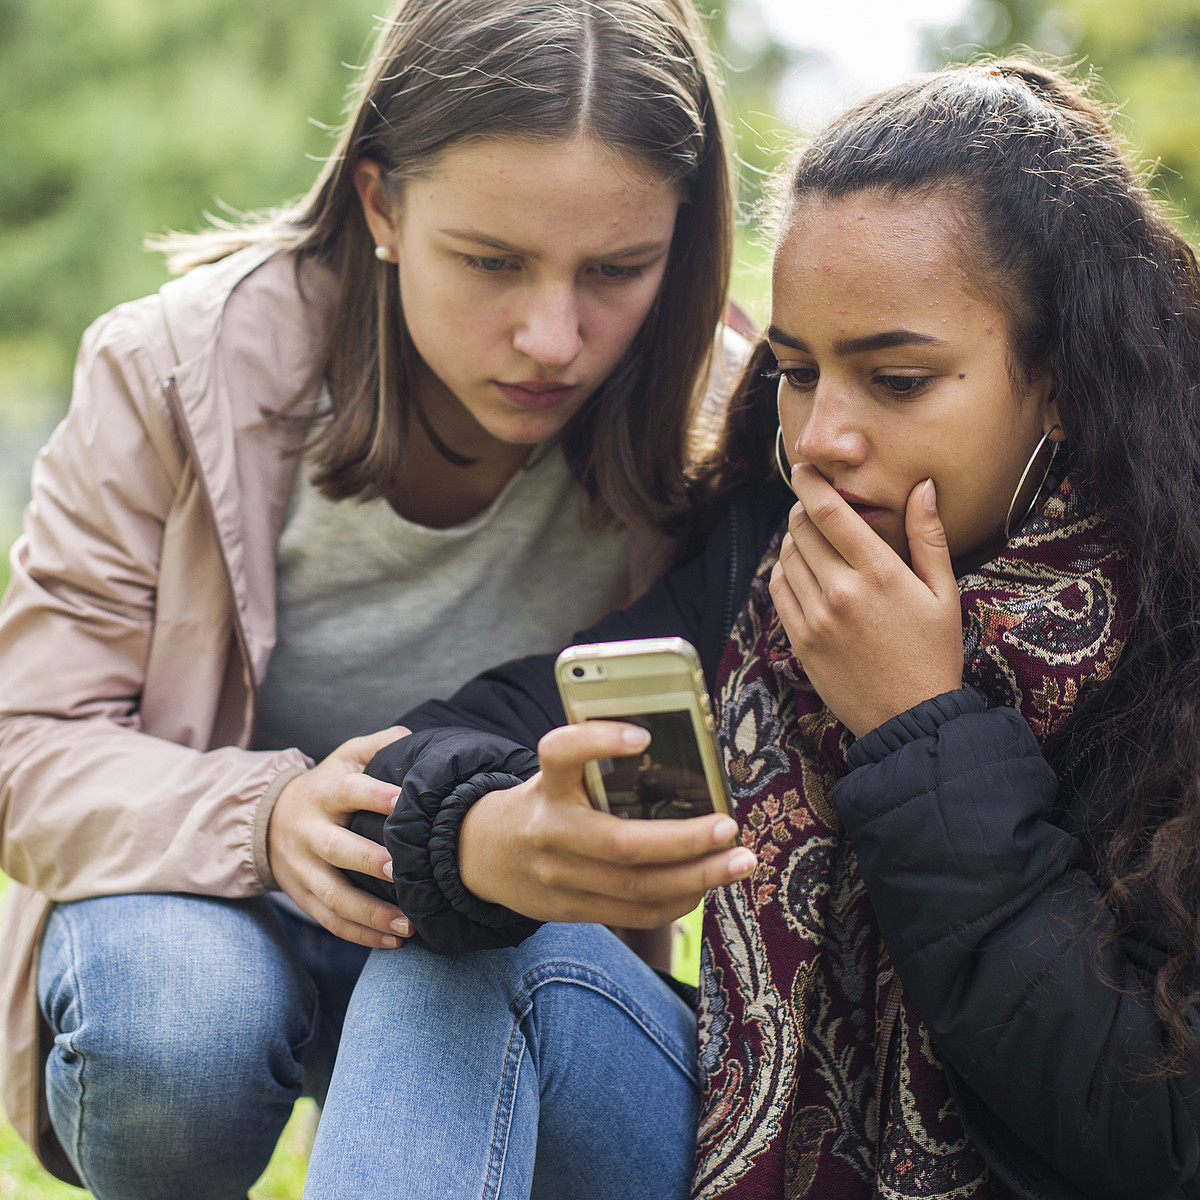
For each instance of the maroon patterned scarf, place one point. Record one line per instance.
(819, 1080)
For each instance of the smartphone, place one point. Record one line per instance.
(656, 683)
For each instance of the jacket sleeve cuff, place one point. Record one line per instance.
(442, 773)
(923, 720)
(509, 927)
(262, 819)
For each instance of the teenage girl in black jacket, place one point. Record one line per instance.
(960, 705)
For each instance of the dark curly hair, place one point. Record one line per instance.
(1097, 284)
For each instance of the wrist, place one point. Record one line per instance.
(259, 838)
(479, 835)
(922, 720)
(898, 705)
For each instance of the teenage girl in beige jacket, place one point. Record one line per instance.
(477, 339)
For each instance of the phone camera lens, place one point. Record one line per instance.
(578, 672)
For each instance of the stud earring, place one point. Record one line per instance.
(383, 254)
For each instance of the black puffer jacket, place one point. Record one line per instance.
(970, 841)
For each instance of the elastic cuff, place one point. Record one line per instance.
(922, 720)
(443, 859)
(442, 772)
(262, 819)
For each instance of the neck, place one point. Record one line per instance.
(440, 493)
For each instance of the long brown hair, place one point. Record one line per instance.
(635, 76)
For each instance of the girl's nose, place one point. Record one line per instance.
(830, 432)
(549, 330)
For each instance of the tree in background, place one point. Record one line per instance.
(1147, 53)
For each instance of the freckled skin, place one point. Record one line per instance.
(887, 265)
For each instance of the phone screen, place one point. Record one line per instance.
(664, 780)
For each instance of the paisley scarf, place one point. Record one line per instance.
(819, 1080)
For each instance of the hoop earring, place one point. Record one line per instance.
(1025, 475)
(781, 458)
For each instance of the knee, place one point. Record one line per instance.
(145, 993)
(415, 978)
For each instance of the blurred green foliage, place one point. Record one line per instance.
(1147, 56)
(120, 118)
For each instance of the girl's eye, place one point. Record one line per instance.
(904, 386)
(487, 264)
(613, 271)
(800, 378)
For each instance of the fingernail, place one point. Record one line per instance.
(742, 864)
(635, 738)
(391, 943)
(388, 869)
(401, 926)
(724, 831)
(929, 497)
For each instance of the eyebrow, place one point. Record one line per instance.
(468, 235)
(844, 347)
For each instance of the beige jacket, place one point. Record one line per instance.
(140, 618)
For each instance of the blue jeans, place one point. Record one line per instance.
(562, 1068)
(185, 1030)
(187, 1027)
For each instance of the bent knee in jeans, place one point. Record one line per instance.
(562, 1066)
(180, 1026)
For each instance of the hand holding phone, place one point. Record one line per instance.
(656, 683)
(543, 849)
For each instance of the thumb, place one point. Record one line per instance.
(927, 548)
(360, 750)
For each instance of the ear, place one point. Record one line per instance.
(377, 206)
(1042, 392)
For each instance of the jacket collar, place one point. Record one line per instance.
(246, 334)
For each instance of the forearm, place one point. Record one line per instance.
(541, 852)
(88, 807)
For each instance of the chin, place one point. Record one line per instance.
(528, 433)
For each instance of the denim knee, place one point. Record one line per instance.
(493, 1072)
(181, 1025)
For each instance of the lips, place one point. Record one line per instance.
(869, 511)
(537, 394)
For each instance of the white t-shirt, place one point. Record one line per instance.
(376, 613)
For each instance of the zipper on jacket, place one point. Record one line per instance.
(731, 582)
